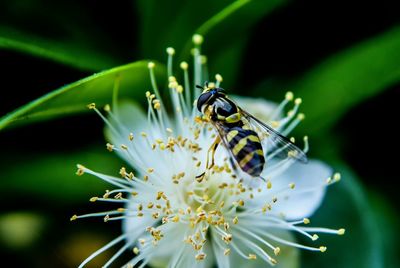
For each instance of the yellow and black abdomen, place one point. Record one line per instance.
(246, 148)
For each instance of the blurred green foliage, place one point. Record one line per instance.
(329, 89)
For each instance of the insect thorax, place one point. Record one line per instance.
(224, 110)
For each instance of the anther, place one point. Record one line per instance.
(184, 65)
(151, 65)
(74, 217)
(197, 39)
(298, 101)
(93, 199)
(136, 250)
(252, 256)
(306, 220)
(92, 106)
(314, 237)
(322, 248)
(341, 231)
(218, 77)
(170, 51)
(289, 96)
(110, 147)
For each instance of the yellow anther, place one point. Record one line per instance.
(179, 89)
(74, 217)
(241, 202)
(92, 106)
(269, 184)
(142, 241)
(110, 147)
(197, 39)
(218, 77)
(184, 65)
(93, 199)
(124, 147)
(147, 94)
(203, 59)
(235, 220)
(134, 193)
(337, 177)
(301, 116)
(252, 256)
(341, 231)
(322, 248)
(121, 209)
(227, 251)
(306, 220)
(107, 107)
(211, 85)
(201, 256)
(314, 237)
(136, 250)
(292, 139)
(289, 96)
(170, 51)
(130, 137)
(298, 101)
(274, 199)
(81, 170)
(273, 261)
(292, 185)
(151, 65)
(175, 218)
(150, 170)
(277, 250)
(106, 218)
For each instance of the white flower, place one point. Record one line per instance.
(171, 219)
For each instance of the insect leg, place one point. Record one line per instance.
(213, 149)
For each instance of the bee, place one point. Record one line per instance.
(246, 138)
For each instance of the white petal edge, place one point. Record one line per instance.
(310, 186)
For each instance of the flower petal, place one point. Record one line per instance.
(258, 107)
(308, 192)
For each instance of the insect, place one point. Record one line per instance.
(246, 138)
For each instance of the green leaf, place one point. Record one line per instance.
(73, 98)
(52, 176)
(340, 82)
(225, 25)
(66, 52)
(346, 206)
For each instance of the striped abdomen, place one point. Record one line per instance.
(246, 148)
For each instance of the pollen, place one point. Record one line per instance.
(136, 250)
(314, 237)
(306, 221)
(277, 250)
(218, 77)
(341, 231)
(110, 147)
(74, 217)
(322, 248)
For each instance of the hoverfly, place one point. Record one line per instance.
(246, 138)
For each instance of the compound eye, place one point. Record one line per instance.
(203, 99)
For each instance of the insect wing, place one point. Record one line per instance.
(275, 144)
